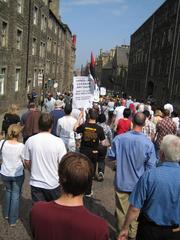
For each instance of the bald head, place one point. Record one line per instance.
(139, 119)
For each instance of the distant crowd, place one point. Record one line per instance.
(66, 149)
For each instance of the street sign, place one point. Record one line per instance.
(40, 79)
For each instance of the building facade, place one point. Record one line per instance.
(154, 61)
(112, 68)
(36, 50)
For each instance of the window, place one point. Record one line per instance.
(59, 51)
(2, 80)
(17, 79)
(35, 16)
(152, 67)
(55, 29)
(45, 2)
(48, 66)
(50, 24)
(34, 46)
(49, 44)
(53, 68)
(20, 6)
(42, 50)
(4, 35)
(54, 48)
(35, 78)
(43, 23)
(19, 40)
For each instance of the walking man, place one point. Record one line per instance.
(134, 153)
(156, 195)
(43, 152)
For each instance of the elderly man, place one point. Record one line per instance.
(134, 153)
(157, 196)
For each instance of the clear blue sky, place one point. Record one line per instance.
(104, 23)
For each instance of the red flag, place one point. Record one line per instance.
(92, 66)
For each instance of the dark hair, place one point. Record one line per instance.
(139, 119)
(126, 112)
(68, 109)
(75, 173)
(101, 118)
(31, 105)
(45, 122)
(93, 114)
(146, 113)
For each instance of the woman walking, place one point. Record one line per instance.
(12, 173)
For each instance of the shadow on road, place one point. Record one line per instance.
(94, 206)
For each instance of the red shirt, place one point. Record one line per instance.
(123, 125)
(51, 221)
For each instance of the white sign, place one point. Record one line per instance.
(82, 92)
(55, 85)
(40, 79)
(102, 91)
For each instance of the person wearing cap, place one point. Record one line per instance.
(56, 114)
(12, 173)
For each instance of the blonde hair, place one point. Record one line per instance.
(13, 109)
(14, 131)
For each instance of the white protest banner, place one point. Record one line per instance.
(82, 92)
(96, 93)
(102, 91)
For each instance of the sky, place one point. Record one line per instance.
(104, 24)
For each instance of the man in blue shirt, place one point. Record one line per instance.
(157, 196)
(134, 153)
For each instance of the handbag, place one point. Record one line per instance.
(1, 157)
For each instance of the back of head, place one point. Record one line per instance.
(68, 109)
(166, 112)
(139, 119)
(75, 173)
(14, 131)
(170, 146)
(45, 122)
(31, 105)
(146, 113)
(127, 112)
(13, 109)
(93, 114)
(102, 118)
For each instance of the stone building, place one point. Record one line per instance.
(36, 50)
(154, 61)
(112, 67)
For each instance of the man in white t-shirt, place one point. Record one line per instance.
(118, 112)
(65, 130)
(42, 154)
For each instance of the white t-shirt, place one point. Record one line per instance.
(45, 152)
(65, 127)
(118, 112)
(12, 165)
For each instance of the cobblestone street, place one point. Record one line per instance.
(102, 204)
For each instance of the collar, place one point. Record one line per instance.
(170, 164)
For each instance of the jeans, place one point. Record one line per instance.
(13, 186)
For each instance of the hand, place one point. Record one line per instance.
(123, 234)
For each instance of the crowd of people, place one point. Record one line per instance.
(65, 149)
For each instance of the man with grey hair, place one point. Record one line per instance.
(156, 195)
